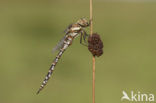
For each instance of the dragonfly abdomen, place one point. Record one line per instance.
(67, 42)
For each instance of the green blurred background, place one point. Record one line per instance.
(30, 29)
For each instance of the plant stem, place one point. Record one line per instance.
(93, 59)
(93, 85)
(91, 17)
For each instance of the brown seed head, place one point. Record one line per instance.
(95, 45)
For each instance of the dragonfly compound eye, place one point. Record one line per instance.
(83, 22)
(95, 45)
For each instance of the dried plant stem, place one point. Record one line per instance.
(93, 59)
(93, 85)
(91, 17)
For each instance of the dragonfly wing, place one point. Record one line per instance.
(59, 45)
(66, 31)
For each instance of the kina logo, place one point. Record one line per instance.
(137, 96)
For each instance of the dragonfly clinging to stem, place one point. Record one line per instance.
(71, 32)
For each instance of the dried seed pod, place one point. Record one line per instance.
(95, 45)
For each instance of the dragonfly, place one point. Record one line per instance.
(72, 31)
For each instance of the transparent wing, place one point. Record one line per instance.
(59, 45)
(68, 29)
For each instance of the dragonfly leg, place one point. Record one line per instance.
(81, 38)
(83, 35)
(90, 22)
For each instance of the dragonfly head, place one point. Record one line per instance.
(83, 22)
